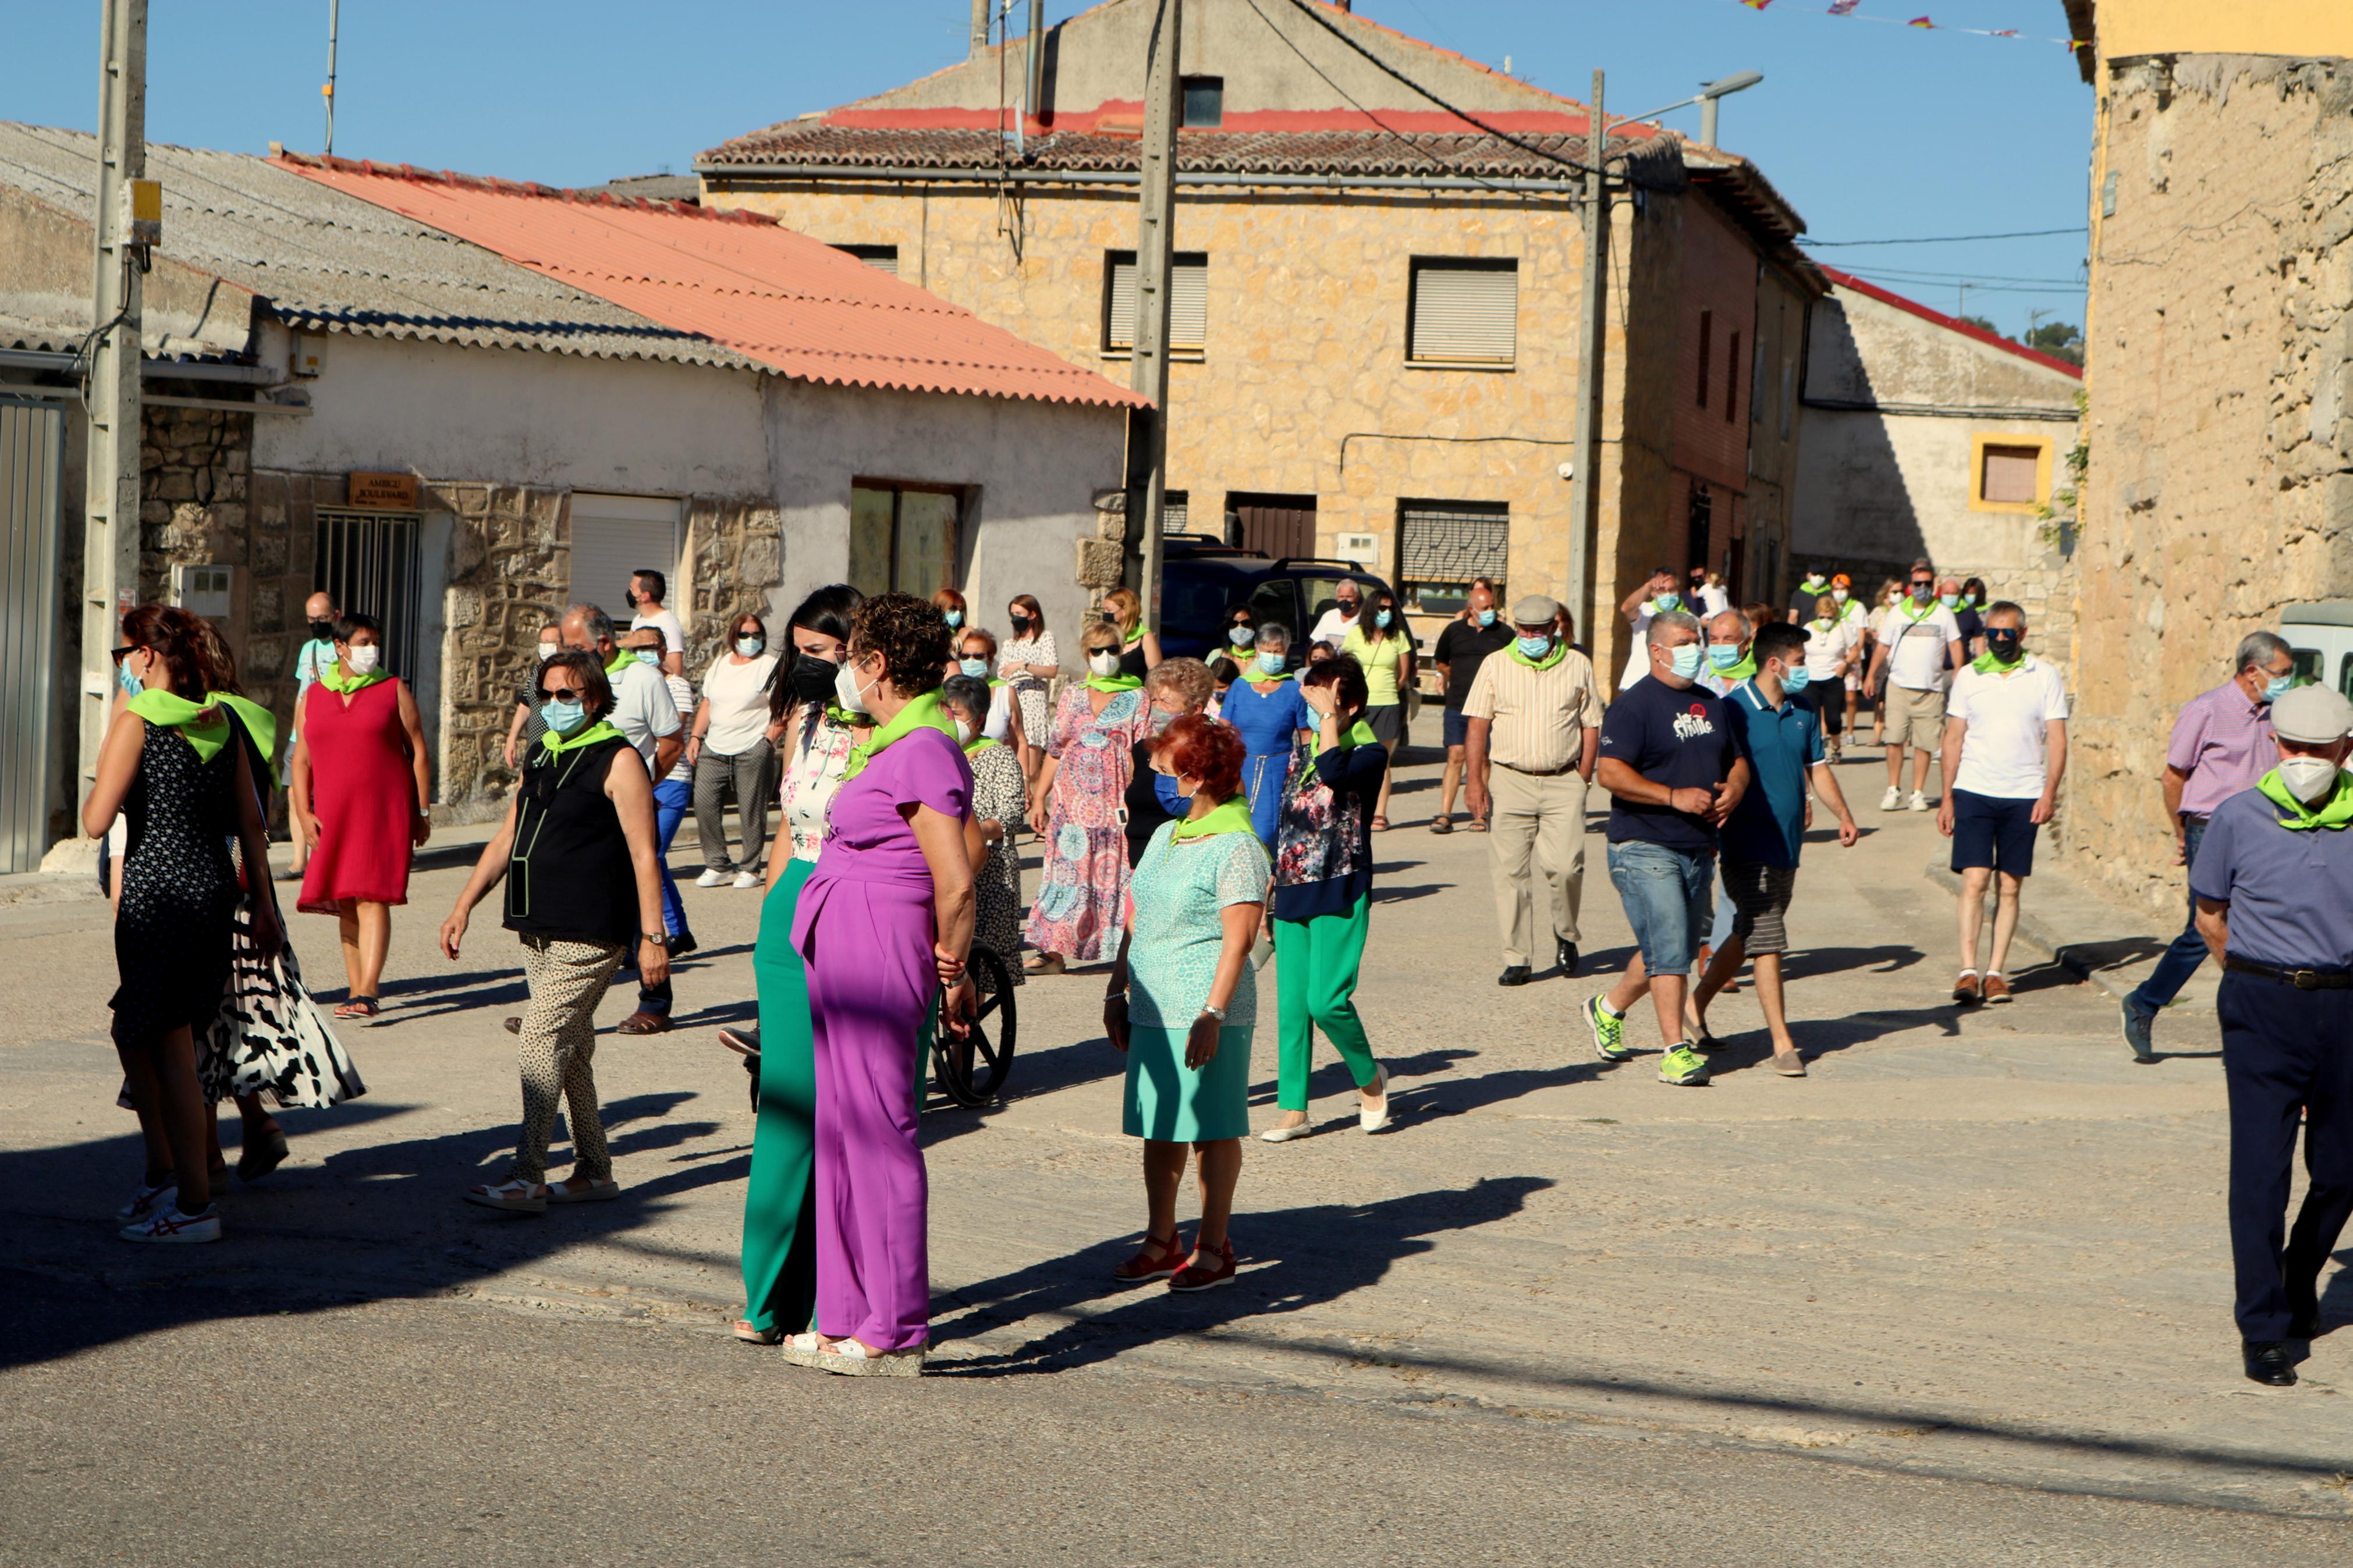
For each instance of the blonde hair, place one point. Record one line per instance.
(1125, 607)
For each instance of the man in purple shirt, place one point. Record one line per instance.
(2222, 744)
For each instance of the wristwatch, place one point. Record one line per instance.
(659, 939)
(1217, 1012)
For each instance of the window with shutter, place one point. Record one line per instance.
(1463, 311)
(1189, 302)
(881, 257)
(1443, 546)
(2009, 475)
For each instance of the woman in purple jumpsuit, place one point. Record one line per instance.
(884, 921)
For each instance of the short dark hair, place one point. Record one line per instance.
(1345, 676)
(2005, 607)
(660, 589)
(735, 627)
(969, 694)
(354, 621)
(910, 636)
(1199, 747)
(596, 691)
(1780, 641)
(1224, 671)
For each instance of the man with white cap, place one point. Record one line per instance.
(2274, 881)
(1535, 714)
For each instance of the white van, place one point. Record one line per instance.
(2322, 637)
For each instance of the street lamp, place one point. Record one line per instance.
(1709, 92)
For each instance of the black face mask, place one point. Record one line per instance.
(322, 631)
(2002, 643)
(1020, 623)
(813, 678)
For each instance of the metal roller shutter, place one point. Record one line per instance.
(1189, 302)
(1465, 312)
(613, 536)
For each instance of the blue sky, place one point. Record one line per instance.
(1872, 131)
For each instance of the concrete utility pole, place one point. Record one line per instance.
(1155, 245)
(110, 521)
(334, 26)
(1591, 313)
(979, 28)
(1033, 50)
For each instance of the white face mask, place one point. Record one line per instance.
(2309, 778)
(364, 658)
(964, 733)
(1105, 663)
(548, 650)
(848, 690)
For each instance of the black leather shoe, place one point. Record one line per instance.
(2303, 1323)
(682, 943)
(1517, 974)
(1564, 953)
(2267, 1363)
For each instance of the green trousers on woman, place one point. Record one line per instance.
(779, 1221)
(1315, 984)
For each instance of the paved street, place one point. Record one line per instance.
(1961, 1296)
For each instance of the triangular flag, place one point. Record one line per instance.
(1843, 8)
(1919, 21)
(1757, 4)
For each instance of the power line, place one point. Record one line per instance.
(1942, 239)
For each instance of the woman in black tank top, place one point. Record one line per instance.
(579, 852)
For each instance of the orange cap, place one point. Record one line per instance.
(1843, 581)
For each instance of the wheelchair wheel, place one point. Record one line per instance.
(972, 1071)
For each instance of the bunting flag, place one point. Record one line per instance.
(1843, 8)
(1851, 8)
(1757, 4)
(1919, 21)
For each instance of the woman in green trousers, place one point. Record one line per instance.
(812, 736)
(1322, 908)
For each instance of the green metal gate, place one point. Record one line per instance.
(32, 456)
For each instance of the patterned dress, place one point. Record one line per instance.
(1028, 689)
(1181, 894)
(1082, 895)
(999, 794)
(179, 890)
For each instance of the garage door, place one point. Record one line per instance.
(613, 536)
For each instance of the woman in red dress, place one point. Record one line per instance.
(360, 785)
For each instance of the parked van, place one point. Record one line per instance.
(2322, 637)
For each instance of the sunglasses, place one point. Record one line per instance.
(1922, 583)
(557, 694)
(126, 651)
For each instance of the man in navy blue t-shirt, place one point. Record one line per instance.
(1671, 758)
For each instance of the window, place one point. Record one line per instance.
(368, 562)
(1463, 311)
(881, 257)
(2009, 475)
(1176, 511)
(1731, 375)
(1707, 329)
(1189, 302)
(1204, 102)
(614, 536)
(902, 538)
(1279, 526)
(1443, 545)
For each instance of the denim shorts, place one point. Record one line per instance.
(1669, 895)
(1458, 728)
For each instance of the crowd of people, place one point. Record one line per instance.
(1194, 820)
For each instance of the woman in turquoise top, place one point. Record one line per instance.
(1265, 709)
(1183, 999)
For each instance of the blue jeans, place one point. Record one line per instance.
(2180, 961)
(673, 798)
(1667, 894)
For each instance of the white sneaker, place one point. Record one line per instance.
(713, 878)
(1919, 802)
(169, 1225)
(148, 1202)
(1892, 799)
(747, 880)
(1373, 1115)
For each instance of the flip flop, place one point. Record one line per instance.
(358, 1007)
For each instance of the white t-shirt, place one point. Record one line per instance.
(738, 695)
(643, 708)
(1826, 643)
(998, 725)
(1714, 598)
(2007, 749)
(673, 634)
(1916, 660)
(1334, 627)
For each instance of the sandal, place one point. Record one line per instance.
(599, 1189)
(1477, 825)
(514, 1195)
(850, 1359)
(257, 1159)
(1380, 824)
(1153, 1260)
(1442, 823)
(358, 1007)
(752, 1336)
(1211, 1270)
(1044, 963)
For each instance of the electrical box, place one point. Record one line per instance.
(310, 354)
(1363, 549)
(204, 590)
(142, 202)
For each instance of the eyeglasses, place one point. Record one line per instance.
(126, 651)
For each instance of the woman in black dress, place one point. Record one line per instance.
(178, 765)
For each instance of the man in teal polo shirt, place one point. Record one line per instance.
(1782, 738)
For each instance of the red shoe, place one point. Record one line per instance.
(1196, 1276)
(1156, 1260)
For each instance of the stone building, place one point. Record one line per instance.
(2218, 370)
(1377, 290)
(1927, 436)
(460, 403)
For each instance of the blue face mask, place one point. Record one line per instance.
(2279, 687)
(1534, 647)
(132, 684)
(976, 668)
(1486, 618)
(750, 647)
(1241, 637)
(1380, 617)
(1666, 602)
(1797, 679)
(954, 618)
(561, 715)
(1950, 601)
(1269, 663)
(1724, 655)
(648, 656)
(1685, 661)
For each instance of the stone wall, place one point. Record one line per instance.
(2221, 382)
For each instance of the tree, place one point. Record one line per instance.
(2057, 339)
(1981, 324)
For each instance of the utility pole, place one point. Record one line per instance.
(335, 18)
(1155, 246)
(1033, 62)
(110, 519)
(1583, 492)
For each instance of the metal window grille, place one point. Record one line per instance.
(1443, 545)
(1189, 302)
(2009, 474)
(1464, 311)
(368, 562)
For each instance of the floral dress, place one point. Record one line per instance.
(1082, 895)
(999, 795)
(813, 768)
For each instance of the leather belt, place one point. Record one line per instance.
(1535, 773)
(2302, 979)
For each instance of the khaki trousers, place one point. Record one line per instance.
(1538, 819)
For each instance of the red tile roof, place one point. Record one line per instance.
(1950, 323)
(781, 299)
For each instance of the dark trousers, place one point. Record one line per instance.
(2181, 959)
(2284, 1048)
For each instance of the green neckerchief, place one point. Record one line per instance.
(1986, 664)
(332, 676)
(1256, 674)
(846, 719)
(922, 711)
(1359, 734)
(1114, 682)
(979, 744)
(1231, 815)
(1819, 625)
(602, 730)
(1739, 672)
(1813, 585)
(621, 661)
(1559, 651)
(174, 711)
(1129, 639)
(1916, 616)
(2335, 813)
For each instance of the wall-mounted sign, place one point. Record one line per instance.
(384, 493)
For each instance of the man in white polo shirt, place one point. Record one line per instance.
(2005, 748)
(1918, 641)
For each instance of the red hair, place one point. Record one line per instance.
(1196, 746)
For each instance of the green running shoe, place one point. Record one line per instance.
(1609, 1032)
(1684, 1068)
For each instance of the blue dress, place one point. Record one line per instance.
(1268, 726)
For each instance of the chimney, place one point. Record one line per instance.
(979, 28)
(1345, 4)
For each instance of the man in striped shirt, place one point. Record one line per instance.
(1534, 715)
